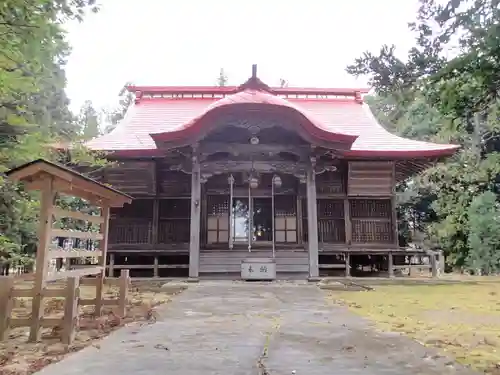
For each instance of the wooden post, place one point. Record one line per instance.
(300, 231)
(390, 264)
(347, 258)
(347, 222)
(102, 261)
(393, 207)
(194, 243)
(155, 267)
(6, 304)
(412, 270)
(111, 270)
(312, 221)
(203, 213)
(155, 226)
(434, 264)
(123, 296)
(70, 320)
(44, 239)
(441, 263)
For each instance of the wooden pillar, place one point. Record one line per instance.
(300, 231)
(154, 227)
(111, 269)
(156, 203)
(390, 264)
(102, 259)
(70, 319)
(312, 221)
(441, 263)
(44, 237)
(123, 294)
(347, 258)
(155, 266)
(393, 208)
(347, 222)
(434, 264)
(194, 243)
(203, 213)
(6, 305)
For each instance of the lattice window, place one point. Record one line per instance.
(330, 183)
(371, 221)
(285, 224)
(331, 223)
(371, 231)
(132, 223)
(331, 208)
(218, 219)
(365, 208)
(174, 221)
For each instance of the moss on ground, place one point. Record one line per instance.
(461, 320)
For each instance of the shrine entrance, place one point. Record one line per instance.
(253, 220)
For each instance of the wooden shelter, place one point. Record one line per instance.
(52, 179)
(220, 174)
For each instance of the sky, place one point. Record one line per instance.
(186, 42)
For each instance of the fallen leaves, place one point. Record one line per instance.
(18, 357)
(458, 319)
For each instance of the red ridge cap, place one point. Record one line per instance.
(231, 89)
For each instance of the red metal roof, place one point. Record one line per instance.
(232, 89)
(255, 97)
(167, 113)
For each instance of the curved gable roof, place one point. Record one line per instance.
(262, 99)
(336, 115)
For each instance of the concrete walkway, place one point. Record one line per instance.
(247, 329)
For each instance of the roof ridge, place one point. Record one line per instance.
(231, 89)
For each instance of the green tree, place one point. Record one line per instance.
(126, 99)
(484, 239)
(88, 121)
(222, 79)
(430, 97)
(34, 112)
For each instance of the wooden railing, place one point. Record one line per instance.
(172, 231)
(70, 292)
(372, 230)
(130, 232)
(331, 230)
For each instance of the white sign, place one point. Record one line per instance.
(258, 269)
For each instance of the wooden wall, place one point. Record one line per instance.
(132, 177)
(355, 204)
(370, 178)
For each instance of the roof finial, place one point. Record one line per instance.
(254, 83)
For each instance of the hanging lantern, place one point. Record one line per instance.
(254, 182)
(277, 181)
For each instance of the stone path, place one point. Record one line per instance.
(247, 329)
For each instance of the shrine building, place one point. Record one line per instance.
(304, 177)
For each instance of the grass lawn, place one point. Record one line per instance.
(18, 357)
(461, 320)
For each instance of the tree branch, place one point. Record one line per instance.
(10, 24)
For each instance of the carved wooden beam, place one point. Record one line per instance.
(237, 149)
(229, 166)
(185, 167)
